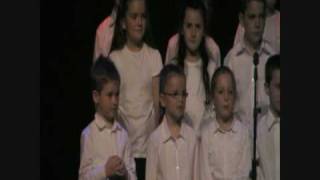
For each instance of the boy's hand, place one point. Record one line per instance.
(113, 165)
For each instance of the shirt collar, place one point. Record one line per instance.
(264, 48)
(234, 126)
(271, 120)
(166, 134)
(101, 123)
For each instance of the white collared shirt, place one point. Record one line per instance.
(268, 147)
(271, 31)
(136, 106)
(225, 155)
(98, 143)
(240, 61)
(170, 158)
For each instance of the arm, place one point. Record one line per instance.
(172, 48)
(155, 94)
(88, 169)
(156, 68)
(129, 163)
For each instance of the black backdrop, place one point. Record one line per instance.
(67, 39)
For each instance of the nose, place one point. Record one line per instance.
(139, 20)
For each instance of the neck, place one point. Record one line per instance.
(192, 56)
(134, 46)
(109, 122)
(174, 126)
(252, 47)
(225, 124)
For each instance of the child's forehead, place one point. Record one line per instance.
(173, 78)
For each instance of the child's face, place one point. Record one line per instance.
(224, 96)
(253, 21)
(135, 21)
(193, 29)
(273, 90)
(174, 97)
(107, 100)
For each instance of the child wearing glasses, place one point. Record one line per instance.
(194, 59)
(173, 146)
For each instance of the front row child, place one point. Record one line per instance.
(268, 138)
(172, 149)
(225, 151)
(105, 149)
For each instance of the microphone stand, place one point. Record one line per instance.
(255, 116)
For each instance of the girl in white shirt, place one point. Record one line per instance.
(193, 57)
(139, 65)
(225, 144)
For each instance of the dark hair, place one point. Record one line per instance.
(166, 72)
(272, 64)
(120, 36)
(103, 71)
(223, 70)
(197, 5)
(244, 5)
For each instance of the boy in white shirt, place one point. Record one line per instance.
(172, 149)
(268, 139)
(240, 60)
(105, 149)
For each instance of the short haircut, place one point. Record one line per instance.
(272, 64)
(223, 70)
(244, 5)
(102, 72)
(166, 72)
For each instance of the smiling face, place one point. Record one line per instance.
(193, 29)
(224, 96)
(107, 100)
(134, 21)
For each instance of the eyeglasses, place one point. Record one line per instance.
(184, 94)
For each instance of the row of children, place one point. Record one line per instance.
(203, 132)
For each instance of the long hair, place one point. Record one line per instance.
(197, 5)
(120, 36)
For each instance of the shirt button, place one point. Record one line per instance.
(177, 167)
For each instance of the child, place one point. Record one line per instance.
(105, 149)
(194, 59)
(225, 142)
(268, 139)
(271, 31)
(240, 60)
(172, 148)
(104, 33)
(138, 65)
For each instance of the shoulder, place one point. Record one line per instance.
(234, 52)
(89, 131)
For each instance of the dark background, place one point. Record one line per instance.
(67, 42)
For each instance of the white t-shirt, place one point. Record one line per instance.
(136, 106)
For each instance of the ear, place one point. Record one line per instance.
(95, 96)
(162, 100)
(267, 89)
